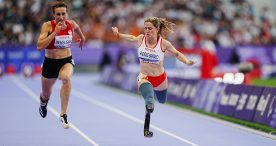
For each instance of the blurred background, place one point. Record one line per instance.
(231, 40)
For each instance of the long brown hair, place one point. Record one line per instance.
(164, 27)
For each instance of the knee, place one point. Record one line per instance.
(161, 96)
(163, 101)
(65, 79)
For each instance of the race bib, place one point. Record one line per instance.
(63, 41)
(148, 57)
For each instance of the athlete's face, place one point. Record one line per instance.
(150, 30)
(60, 14)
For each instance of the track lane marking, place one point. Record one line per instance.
(89, 99)
(27, 90)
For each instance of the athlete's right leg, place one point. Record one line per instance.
(147, 92)
(146, 89)
(47, 85)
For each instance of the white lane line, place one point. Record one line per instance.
(50, 108)
(226, 123)
(89, 99)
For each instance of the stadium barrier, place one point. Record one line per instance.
(16, 59)
(12, 58)
(245, 102)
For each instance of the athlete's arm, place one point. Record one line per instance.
(181, 57)
(44, 38)
(77, 29)
(127, 37)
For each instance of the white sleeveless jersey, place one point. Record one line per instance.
(151, 55)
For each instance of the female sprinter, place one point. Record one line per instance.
(152, 80)
(56, 38)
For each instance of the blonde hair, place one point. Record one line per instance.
(164, 27)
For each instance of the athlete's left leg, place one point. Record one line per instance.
(65, 76)
(161, 95)
(161, 92)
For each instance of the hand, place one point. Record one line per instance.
(81, 41)
(115, 31)
(190, 62)
(58, 27)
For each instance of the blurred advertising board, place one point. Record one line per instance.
(13, 58)
(205, 63)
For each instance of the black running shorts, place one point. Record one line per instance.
(51, 67)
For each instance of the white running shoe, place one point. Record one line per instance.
(64, 121)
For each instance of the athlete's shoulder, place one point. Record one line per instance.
(140, 36)
(47, 25)
(73, 23)
(165, 41)
(165, 44)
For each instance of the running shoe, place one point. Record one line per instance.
(63, 119)
(43, 108)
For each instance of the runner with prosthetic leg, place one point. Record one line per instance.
(152, 79)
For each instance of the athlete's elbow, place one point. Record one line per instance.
(39, 47)
(177, 55)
